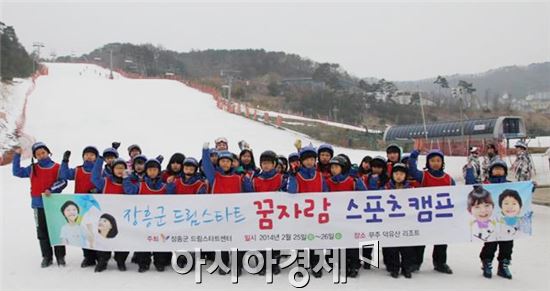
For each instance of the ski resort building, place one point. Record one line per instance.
(456, 137)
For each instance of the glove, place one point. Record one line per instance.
(293, 169)
(160, 158)
(298, 144)
(414, 154)
(243, 145)
(66, 156)
(116, 145)
(17, 149)
(206, 145)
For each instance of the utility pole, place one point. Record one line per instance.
(229, 76)
(423, 115)
(111, 64)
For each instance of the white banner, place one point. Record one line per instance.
(281, 220)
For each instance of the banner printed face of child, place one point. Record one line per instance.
(510, 206)
(71, 213)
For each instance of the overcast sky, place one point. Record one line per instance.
(397, 40)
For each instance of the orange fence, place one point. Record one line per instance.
(25, 140)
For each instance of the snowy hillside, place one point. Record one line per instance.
(77, 105)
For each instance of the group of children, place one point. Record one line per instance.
(221, 172)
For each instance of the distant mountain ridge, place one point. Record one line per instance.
(516, 81)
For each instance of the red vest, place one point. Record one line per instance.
(146, 190)
(43, 178)
(111, 187)
(314, 184)
(225, 184)
(82, 181)
(267, 185)
(428, 180)
(182, 188)
(347, 185)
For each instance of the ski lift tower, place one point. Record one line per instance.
(111, 64)
(229, 75)
(37, 46)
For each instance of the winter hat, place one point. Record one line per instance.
(110, 152)
(39, 145)
(268, 156)
(498, 163)
(399, 167)
(293, 157)
(225, 155)
(119, 161)
(191, 162)
(90, 149)
(142, 158)
(521, 144)
(348, 160)
(156, 162)
(307, 152)
(342, 162)
(378, 161)
(325, 148)
(220, 140)
(393, 148)
(283, 160)
(134, 147)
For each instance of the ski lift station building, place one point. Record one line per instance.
(456, 137)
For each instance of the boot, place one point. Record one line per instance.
(503, 270)
(351, 272)
(143, 268)
(407, 272)
(101, 266)
(61, 262)
(87, 263)
(443, 268)
(487, 267)
(159, 267)
(46, 262)
(394, 274)
(121, 266)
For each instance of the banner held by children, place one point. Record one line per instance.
(279, 220)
